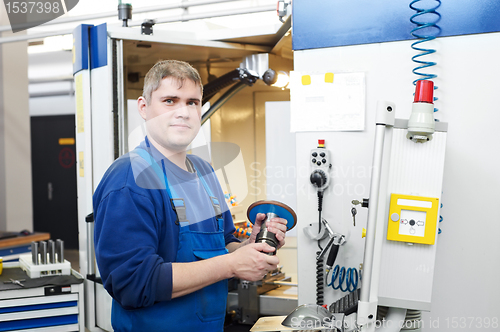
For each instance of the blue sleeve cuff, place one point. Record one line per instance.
(232, 238)
(164, 283)
(229, 228)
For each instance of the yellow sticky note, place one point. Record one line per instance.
(306, 79)
(80, 164)
(329, 78)
(79, 103)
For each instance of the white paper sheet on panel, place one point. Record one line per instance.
(327, 101)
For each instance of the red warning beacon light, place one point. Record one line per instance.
(321, 143)
(421, 124)
(424, 92)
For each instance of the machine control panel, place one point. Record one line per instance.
(320, 157)
(320, 164)
(413, 219)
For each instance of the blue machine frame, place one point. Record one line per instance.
(320, 23)
(89, 38)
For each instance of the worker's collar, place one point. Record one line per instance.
(158, 156)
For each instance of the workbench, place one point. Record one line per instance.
(12, 247)
(52, 303)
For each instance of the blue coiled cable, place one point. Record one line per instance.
(429, 25)
(350, 276)
(418, 32)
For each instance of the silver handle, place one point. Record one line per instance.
(50, 189)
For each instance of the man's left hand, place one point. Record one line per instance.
(274, 225)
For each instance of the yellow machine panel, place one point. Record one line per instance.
(413, 219)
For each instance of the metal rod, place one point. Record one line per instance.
(70, 19)
(90, 248)
(248, 10)
(122, 118)
(34, 36)
(283, 283)
(34, 253)
(219, 13)
(52, 252)
(60, 250)
(43, 252)
(51, 80)
(52, 94)
(372, 213)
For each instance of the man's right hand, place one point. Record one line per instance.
(251, 262)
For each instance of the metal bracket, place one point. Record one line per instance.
(147, 27)
(367, 312)
(248, 302)
(311, 231)
(385, 114)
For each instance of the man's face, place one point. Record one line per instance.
(173, 117)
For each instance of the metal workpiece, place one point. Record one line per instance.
(265, 236)
(271, 209)
(60, 250)
(34, 252)
(43, 252)
(47, 252)
(51, 250)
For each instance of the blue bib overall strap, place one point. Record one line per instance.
(177, 203)
(215, 201)
(202, 310)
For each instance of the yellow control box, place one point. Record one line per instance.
(413, 219)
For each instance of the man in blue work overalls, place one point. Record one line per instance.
(163, 234)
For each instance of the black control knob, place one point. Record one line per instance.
(314, 154)
(323, 161)
(318, 178)
(314, 161)
(318, 163)
(322, 154)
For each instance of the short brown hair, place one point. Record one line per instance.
(179, 70)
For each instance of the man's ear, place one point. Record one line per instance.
(141, 106)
